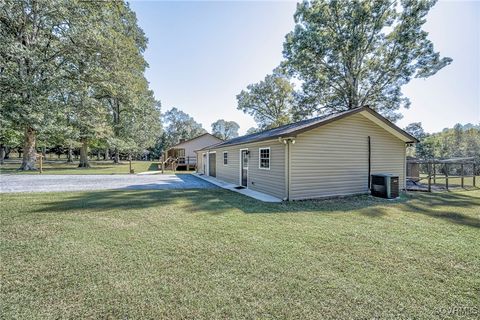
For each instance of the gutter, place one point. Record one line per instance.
(288, 141)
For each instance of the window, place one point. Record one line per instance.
(264, 158)
(225, 158)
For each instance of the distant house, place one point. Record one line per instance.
(325, 156)
(184, 151)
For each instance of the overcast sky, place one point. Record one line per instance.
(202, 54)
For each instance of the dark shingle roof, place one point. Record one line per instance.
(297, 127)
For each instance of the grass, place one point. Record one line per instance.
(453, 181)
(97, 167)
(176, 254)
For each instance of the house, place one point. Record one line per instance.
(326, 156)
(184, 151)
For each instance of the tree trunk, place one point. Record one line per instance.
(106, 155)
(116, 157)
(69, 154)
(2, 153)
(84, 155)
(29, 151)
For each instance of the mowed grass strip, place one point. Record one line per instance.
(177, 254)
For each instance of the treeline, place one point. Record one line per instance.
(179, 125)
(72, 77)
(457, 142)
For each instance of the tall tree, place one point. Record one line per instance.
(225, 129)
(354, 53)
(416, 130)
(141, 126)
(127, 84)
(269, 101)
(33, 39)
(179, 125)
(73, 65)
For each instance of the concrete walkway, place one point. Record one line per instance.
(246, 192)
(55, 183)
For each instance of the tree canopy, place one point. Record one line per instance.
(459, 141)
(348, 54)
(269, 101)
(179, 125)
(225, 129)
(75, 67)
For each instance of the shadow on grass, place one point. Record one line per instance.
(218, 201)
(439, 205)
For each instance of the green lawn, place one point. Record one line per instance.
(97, 167)
(189, 254)
(452, 181)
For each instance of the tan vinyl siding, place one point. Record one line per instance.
(200, 164)
(333, 159)
(196, 144)
(230, 172)
(271, 181)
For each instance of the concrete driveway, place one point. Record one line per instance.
(51, 183)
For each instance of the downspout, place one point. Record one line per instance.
(287, 170)
(405, 168)
(288, 160)
(369, 163)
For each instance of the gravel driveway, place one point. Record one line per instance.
(45, 183)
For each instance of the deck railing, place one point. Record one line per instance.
(187, 161)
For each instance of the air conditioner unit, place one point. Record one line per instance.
(385, 185)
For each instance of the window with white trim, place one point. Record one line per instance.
(264, 158)
(225, 158)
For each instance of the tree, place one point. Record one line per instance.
(141, 126)
(179, 125)
(420, 150)
(416, 130)
(8, 137)
(74, 67)
(460, 141)
(354, 53)
(33, 38)
(252, 130)
(269, 101)
(225, 130)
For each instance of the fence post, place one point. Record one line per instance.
(434, 173)
(162, 160)
(462, 180)
(446, 175)
(474, 175)
(429, 178)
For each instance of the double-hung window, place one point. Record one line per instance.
(264, 158)
(225, 158)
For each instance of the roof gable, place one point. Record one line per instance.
(196, 138)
